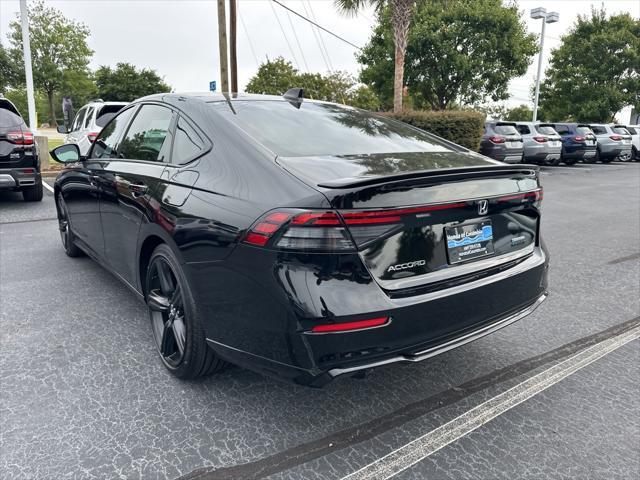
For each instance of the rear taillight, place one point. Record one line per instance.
(20, 138)
(92, 136)
(540, 139)
(578, 138)
(616, 138)
(497, 139)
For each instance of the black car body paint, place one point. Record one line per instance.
(260, 302)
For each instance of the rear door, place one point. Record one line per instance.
(128, 181)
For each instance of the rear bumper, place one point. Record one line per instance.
(578, 151)
(14, 179)
(276, 341)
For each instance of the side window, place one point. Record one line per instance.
(78, 120)
(148, 137)
(106, 144)
(88, 116)
(523, 129)
(187, 143)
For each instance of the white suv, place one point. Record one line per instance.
(88, 122)
(634, 130)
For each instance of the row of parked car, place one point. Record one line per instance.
(552, 143)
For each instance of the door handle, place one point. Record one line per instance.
(137, 189)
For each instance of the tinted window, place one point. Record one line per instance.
(324, 129)
(545, 130)
(598, 130)
(523, 129)
(8, 116)
(562, 129)
(584, 131)
(106, 144)
(106, 113)
(78, 120)
(148, 136)
(505, 130)
(620, 130)
(187, 143)
(88, 117)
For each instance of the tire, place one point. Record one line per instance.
(66, 234)
(569, 161)
(590, 160)
(33, 193)
(634, 154)
(175, 323)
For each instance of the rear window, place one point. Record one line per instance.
(523, 129)
(620, 130)
(632, 131)
(562, 128)
(585, 130)
(9, 116)
(324, 129)
(505, 130)
(598, 130)
(106, 113)
(545, 130)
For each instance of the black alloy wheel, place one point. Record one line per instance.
(66, 235)
(179, 337)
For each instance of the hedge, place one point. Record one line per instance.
(463, 127)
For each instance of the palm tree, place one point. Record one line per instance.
(400, 19)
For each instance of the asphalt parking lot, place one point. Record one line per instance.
(83, 394)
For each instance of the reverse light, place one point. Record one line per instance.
(92, 136)
(20, 138)
(351, 326)
(497, 139)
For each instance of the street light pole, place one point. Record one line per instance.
(26, 51)
(550, 17)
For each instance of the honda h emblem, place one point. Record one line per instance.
(483, 207)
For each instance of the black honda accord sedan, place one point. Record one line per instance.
(298, 238)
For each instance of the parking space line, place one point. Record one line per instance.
(420, 448)
(47, 186)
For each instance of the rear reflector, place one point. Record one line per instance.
(350, 326)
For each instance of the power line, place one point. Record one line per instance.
(319, 26)
(285, 36)
(295, 35)
(313, 15)
(246, 33)
(315, 32)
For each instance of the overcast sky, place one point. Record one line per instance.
(179, 38)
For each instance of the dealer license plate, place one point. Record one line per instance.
(467, 242)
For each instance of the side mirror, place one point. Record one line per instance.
(68, 153)
(62, 129)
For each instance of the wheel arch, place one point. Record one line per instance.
(150, 237)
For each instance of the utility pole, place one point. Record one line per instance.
(222, 44)
(550, 17)
(233, 58)
(26, 51)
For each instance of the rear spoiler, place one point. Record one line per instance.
(450, 174)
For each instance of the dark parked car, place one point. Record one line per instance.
(578, 142)
(502, 141)
(301, 239)
(19, 161)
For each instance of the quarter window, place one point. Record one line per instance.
(78, 120)
(187, 144)
(148, 137)
(88, 117)
(106, 145)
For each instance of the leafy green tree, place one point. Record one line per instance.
(596, 70)
(459, 52)
(399, 14)
(7, 70)
(125, 83)
(58, 46)
(275, 77)
(521, 113)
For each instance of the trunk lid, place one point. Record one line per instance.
(422, 219)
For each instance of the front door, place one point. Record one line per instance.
(127, 183)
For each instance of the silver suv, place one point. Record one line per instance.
(501, 141)
(542, 144)
(613, 141)
(88, 122)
